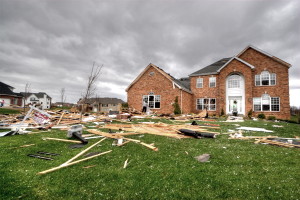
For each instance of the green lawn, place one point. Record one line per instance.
(9, 111)
(237, 169)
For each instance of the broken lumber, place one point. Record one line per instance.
(72, 163)
(97, 132)
(283, 144)
(60, 118)
(82, 152)
(62, 140)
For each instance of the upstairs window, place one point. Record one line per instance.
(265, 78)
(234, 81)
(199, 83)
(212, 81)
(266, 103)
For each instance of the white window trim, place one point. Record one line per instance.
(210, 81)
(199, 81)
(260, 79)
(261, 104)
(155, 100)
(208, 109)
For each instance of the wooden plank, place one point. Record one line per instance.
(60, 118)
(72, 163)
(83, 152)
(62, 140)
(97, 132)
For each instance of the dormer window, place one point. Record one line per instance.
(265, 78)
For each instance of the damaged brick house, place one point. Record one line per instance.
(251, 80)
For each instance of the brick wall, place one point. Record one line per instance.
(281, 89)
(159, 85)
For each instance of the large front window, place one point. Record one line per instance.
(265, 78)
(206, 103)
(152, 101)
(266, 103)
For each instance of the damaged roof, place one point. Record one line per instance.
(211, 69)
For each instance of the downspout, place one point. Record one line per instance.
(181, 101)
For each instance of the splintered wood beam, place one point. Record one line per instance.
(83, 152)
(60, 118)
(72, 163)
(97, 132)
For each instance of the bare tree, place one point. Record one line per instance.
(91, 88)
(62, 96)
(26, 94)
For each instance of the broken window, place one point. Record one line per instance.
(266, 103)
(152, 101)
(203, 103)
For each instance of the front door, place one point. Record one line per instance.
(235, 105)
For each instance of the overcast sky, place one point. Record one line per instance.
(52, 44)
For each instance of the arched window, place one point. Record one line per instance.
(234, 81)
(265, 78)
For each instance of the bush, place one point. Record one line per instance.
(176, 106)
(250, 113)
(261, 116)
(222, 112)
(271, 118)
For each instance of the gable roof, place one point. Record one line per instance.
(6, 89)
(39, 95)
(180, 83)
(265, 53)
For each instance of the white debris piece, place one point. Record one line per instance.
(254, 129)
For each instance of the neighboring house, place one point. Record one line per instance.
(41, 99)
(9, 97)
(103, 104)
(251, 80)
(60, 104)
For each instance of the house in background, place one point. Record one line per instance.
(253, 80)
(41, 100)
(61, 104)
(103, 105)
(8, 97)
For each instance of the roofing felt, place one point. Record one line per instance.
(211, 69)
(6, 89)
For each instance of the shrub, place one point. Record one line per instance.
(271, 118)
(261, 116)
(176, 106)
(222, 112)
(250, 113)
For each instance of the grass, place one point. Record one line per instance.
(237, 169)
(4, 111)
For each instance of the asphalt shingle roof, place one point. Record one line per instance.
(6, 89)
(211, 69)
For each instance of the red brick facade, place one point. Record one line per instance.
(250, 62)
